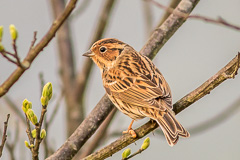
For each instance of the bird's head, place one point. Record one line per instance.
(105, 52)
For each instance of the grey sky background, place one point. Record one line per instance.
(194, 53)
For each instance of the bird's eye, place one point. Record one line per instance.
(103, 49)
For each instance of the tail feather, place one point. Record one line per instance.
(171, 128)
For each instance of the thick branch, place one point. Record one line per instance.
(34, 51)
(84, 131)
(229, 71)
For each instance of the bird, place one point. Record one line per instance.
(136, 86)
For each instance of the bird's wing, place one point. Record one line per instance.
(139, 90)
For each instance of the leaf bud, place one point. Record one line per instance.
(126, 153)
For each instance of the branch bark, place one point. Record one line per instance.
(34, 51)
(155, 42)
(229, 71)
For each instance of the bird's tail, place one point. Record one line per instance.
(172, 129)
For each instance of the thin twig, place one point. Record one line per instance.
(33, 53)
(38, 140)
(173, 4)
(11, 146)
(134, 154)
(28, 130)
(79, 10)
(4, 136)
(15, 109)
(9, 59)
(219, 20)
(56, 108)
(225, 73)
(33, 41)
(16, 53)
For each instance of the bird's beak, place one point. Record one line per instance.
(89, 53)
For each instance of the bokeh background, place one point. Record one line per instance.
(194, 53)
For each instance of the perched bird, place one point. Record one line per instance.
(135, 86)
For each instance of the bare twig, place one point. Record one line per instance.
(216, 21)
(15, 108)
(33, 41)
(148, 17)
(33, 53)
(173, 4)
(4, 136)
(134, 154)
(49, 122)
(28, 130)
(4, 54)
(11, 146)
(225, 73)
(79, 10)
(38, 140)
(16, 53)
(104, 107)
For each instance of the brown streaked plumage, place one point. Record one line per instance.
(135, 86)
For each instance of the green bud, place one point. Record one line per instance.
(13, 32)
(31, 116)
(44, 101)
(1, 47)
(43, 134)
(126, 153)
(1, 33)
(34, 133)
(32, 145)
(27, 144)
(30, 113)
(46, 93)
(47, 90)
(34, 119)
(146, 143)
(26, 105)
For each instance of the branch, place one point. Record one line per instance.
(163, 33)
(34, 51)
(15, 108)
(100, 135)
(173, 4)
(4, 136)
(104, 107)
(182, 14)
(84, 131)
(229, 71)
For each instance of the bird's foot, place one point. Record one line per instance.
(131, 132)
